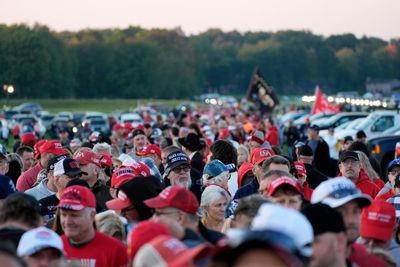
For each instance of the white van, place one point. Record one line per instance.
(375, 124)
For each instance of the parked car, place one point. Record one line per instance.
(302, 120)
(27, 108)
(339, 119)
(383, 148)
(9, 113)
(98, 122)
(376, 123)
(65, 114)
(47, 120)
(133, 118)
(27, 123)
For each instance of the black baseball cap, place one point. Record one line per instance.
(324, 219)
(174, 160)
(314, 127)
(348, 154)
(52, 162)
(305, 151)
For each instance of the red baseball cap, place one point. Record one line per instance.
(243, 170)
(121, 175)
(301, 169)
(85, 157)
(37, 146)
(139, 168)
(128, 125)
(142, 234)
(258, 155)
(378, 220)
(105, 160)
(117, 127)
(28, 139)
(176, 197)
(223, 133)
(276, 184)
(121, 202)
(169, 251)
(52, 146)
(77, 197)
(150, 149)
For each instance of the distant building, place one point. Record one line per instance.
(383, 87)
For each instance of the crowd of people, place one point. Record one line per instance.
(198, 191)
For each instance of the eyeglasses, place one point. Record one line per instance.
(350, 162)
(343, 192)
(185, 168)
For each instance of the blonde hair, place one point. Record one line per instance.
(246, 150)
(109, 223)
(366, 165)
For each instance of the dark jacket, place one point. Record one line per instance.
(247, 190)
(210, 235)
(314, 177)
(197, 162)
(321, 156)
(102, 194)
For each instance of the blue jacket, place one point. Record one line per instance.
(7, 187)
(247, 190)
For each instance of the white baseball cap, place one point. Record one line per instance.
(338, 191)
(37, 239)
(287, 221)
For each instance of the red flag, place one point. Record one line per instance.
(322, 104)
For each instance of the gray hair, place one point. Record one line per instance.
(102, 147)
(220, 179)
(249, 205)
(211, 194)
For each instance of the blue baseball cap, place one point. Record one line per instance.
(395, 162)
(216, 167)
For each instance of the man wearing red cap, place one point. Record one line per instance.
(286, 191)
(47, 150)
(180, 205)
(377, 228)
(117, 138)
(91, 164)
(81, 240)
(153, 152)
(257, 157)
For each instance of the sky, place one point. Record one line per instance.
(360, 17)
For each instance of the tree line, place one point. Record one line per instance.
(139, 63)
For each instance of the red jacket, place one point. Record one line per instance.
(379, 183)
(365, 185)
(361, 257)
(307, 191)
(272, 136)
(386, 196)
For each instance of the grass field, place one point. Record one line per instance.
(83, 105)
